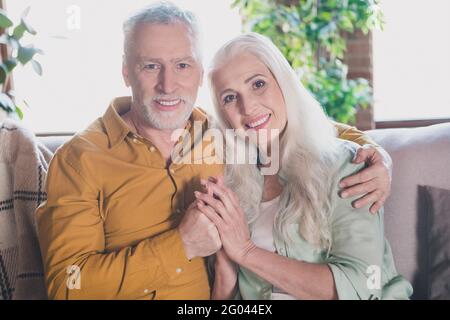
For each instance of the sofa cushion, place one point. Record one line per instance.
(438, 228)
(421, 156)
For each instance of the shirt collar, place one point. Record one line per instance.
(116, 127)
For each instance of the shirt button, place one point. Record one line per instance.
(172, 171)
(178, 270)
(146, 291)
(152, 149)
(135, 140)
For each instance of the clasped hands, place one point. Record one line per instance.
(216, 220)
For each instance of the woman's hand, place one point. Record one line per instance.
(221, 206)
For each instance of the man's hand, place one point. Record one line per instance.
(374, 182)
(199, 235)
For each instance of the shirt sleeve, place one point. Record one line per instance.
(350, 133)
(76, 264)
(356, 254)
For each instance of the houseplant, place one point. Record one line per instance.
(14, 52)
(312, 36)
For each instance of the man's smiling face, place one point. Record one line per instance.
(164, 72)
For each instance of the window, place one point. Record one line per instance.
(411, 61)
(82, 41)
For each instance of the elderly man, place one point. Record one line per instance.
(119, 221)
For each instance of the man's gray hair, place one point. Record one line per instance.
(162, 13)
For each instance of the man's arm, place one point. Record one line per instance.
(72, 240)
(350, 133)
(374, 182)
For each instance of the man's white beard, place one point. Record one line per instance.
(164, 120)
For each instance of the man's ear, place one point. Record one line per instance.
(125, 71)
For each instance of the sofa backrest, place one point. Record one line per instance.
(421, 156)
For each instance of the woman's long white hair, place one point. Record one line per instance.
(307, 149)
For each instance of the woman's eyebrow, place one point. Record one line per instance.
(246, 81)
(224, 91)
(252, 77)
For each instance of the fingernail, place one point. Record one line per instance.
(344, 194)
(341, 184)
(197, 194)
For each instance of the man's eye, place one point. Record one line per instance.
(259, 84)
(151, 66)
(229, 98)
(183, 66)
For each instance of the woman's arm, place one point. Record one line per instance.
(225, 279)
(300, 279)
(357, 245)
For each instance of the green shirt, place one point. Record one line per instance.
(360, 258)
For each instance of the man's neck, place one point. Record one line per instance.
(161, 138)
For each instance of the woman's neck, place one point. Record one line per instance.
(272, 187)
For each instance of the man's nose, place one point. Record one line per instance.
(167, 82)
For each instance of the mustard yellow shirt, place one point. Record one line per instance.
(111, 211)
(108, 227)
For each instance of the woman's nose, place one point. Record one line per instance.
(248, 105)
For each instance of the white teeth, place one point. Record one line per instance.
(259, 122)
(168, 102)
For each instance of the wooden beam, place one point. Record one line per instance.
(408, 123)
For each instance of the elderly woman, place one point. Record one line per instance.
(289, 235)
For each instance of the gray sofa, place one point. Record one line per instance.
(421, 156)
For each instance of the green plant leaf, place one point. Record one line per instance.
(10, 64)
(37, 67)
(5, 22)
(3, 73)
(25, 54)
(25, 23)
(19, 112)
(19, 31)
(346, 24)
(6, 103)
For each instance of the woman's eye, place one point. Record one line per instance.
(259, 84)
(229, 98)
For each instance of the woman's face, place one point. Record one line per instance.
(248, 94)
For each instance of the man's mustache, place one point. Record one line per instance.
(184, 99)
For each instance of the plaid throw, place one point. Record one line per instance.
(23, 168)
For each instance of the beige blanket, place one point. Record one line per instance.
(23, 169)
